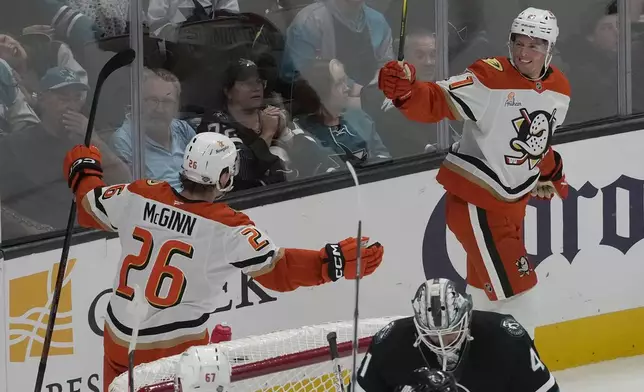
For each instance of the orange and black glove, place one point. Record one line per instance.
(553, 183)
(395, 80)
(341, 259)
(80, 162)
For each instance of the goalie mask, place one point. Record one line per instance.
(203, 369)
(442, 318)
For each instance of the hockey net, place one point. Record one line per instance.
(295, 360)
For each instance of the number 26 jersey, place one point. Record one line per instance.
(178, 251)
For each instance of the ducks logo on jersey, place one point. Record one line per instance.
(533, 137)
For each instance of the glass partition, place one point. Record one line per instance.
(586, 49)
(293, 82)
(50, 55)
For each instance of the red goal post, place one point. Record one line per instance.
(294, 360)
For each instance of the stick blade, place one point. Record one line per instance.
(119, 60)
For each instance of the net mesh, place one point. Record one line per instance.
(295, 360)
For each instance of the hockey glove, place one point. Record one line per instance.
(80, 162)
(340, 259)
(395, 80)
(431, 380)
(553, 183)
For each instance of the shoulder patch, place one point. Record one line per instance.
(468, 81)
(382, 334)
(512, 327)
(494, 63)
(153, 182)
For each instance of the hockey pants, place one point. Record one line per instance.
(115, 359)
(497, 261)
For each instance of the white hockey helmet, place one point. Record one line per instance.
(207, 157)
(536, 23)
(203, 369)
(442, 318)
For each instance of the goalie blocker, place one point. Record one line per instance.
(180, 247)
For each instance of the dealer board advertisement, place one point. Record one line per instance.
(588, 250)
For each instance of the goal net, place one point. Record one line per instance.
(295, 360)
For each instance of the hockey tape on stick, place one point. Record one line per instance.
(332, 338)
(138, 309)
(356, 313)
(119, 60)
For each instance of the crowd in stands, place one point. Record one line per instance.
(292, 82)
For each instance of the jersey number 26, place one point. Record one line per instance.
(161, 270)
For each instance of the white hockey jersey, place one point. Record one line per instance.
(508, 125)
(180, 252)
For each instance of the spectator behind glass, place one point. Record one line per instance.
(347, 30)
(69, 25)
(29, 173)
(30, 56)
(111, 17)
(166, 137)
(592, 55)
(254, 127)
(164, 15)
(16, 107)
(420, 51)
(43, 52)
(342, 133)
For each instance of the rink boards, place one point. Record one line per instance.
(589, 250)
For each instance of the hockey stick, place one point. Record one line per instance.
(358, 269)
(403, 28)
(401, 38)
(332, 338)
(138, 309)
(119, 60)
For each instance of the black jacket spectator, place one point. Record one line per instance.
(250, 123)
(257, 165)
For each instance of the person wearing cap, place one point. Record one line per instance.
(166, 137)
(16, 111)
(43, 51)
(27, 177)
(258, 130)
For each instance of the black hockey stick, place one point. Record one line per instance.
(119, 60)
(332, 338)
(356, 313)
(401, 39)
(403, 28)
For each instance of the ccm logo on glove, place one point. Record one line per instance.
(87, 161)
(341, 259)
(336, 269)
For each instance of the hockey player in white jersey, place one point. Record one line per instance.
(180, 248)
(510, 108)
(203, 369)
